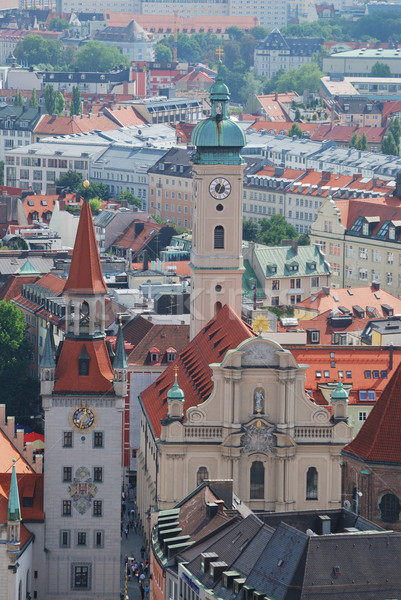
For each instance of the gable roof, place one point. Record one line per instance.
(344, 133)
(283, 257)
(85, 276)
(379, 439)
(224, 332)
(12, 287)
(165, 337)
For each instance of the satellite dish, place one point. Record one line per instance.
(347, 504)
(310, 532)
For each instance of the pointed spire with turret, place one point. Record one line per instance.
(13, 513)
(47, 364)
(120, 364)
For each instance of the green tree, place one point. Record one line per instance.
(306, 77)
(95, 56)
(395, 129)
(50, 99)
(14, 349)
(70, 180)
(275, 229)
(295, 131)
(250, 230)
(18, 99)
(95, 190)
(235, 33)
(232, 54)
(354, 141)
(363, 142)
(59, 103)
(251, 84)
(297, 115)
(33, 100)
(36, 50)
(163, 53)
(57, 24)
(380, 70)
(304, 239)
(95, 204)
(389, 145)
(1, 172)
(259, 33)
(130, 198)
(75, 106)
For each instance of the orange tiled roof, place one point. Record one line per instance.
(100, 370)
(125, 117)
(283, 127)
(364, 297)
(30, 485)
(379, 440)
(385, 207)
(164, 22)
(353, 359)
(85, 274)
(128, 239)
(224, 332)
(323, 325)
(51, 125)
(7, 452)
(52, 282)
(42, 205)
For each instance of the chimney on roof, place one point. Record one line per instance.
(376, 285)
(391, 352)
(276, 96)
(325, 176)
(326, 290)
(145, 263)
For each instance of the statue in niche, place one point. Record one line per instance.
(258, 401)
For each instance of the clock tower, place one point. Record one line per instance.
(216, 259)
(83, 392)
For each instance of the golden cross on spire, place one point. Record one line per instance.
(176, 369)
(219, 52)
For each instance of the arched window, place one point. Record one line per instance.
(390, 508)
(28, 584)
(257, 487)
(20, 591)
(219, 237)
(217, 308)
(311, 484)
(201, 475)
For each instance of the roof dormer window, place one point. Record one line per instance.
(154, 355)
(83, 362)
(365, 229)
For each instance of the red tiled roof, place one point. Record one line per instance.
(85, 274)
(388, 208)
(125, 117)
(43, 205)
(100, 375)
(30, 485)
(52, 282)
(128, 239)
(184, 131)
(224, 332)
(58, 125)
(354, 359)
(390, 107)
(195, 76)
(10, 191)
(344, 133)
(360, 296)
(13, 285)
(379, 440)
(136, 329)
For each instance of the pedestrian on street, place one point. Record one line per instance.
(126, 532)
(136, 526)
(142, 592)
(143, 551)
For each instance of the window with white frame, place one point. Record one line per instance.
(376, 256)
(389, 278)
(362, 415)
(390, 258)
(350, 251)
(375, 276)
(363, 253)
(363, 274)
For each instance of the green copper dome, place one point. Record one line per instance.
(339, 393)
(218, 140)
(176, 392)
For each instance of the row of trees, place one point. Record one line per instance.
(271, 231)
(94, 56)
(391, 142)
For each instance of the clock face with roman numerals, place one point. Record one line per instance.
(220, 188)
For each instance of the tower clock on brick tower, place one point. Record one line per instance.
(216, 259)
(83, 393)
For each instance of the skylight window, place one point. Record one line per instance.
(368, 374)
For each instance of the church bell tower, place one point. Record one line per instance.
(216, 259)
(83, 393)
